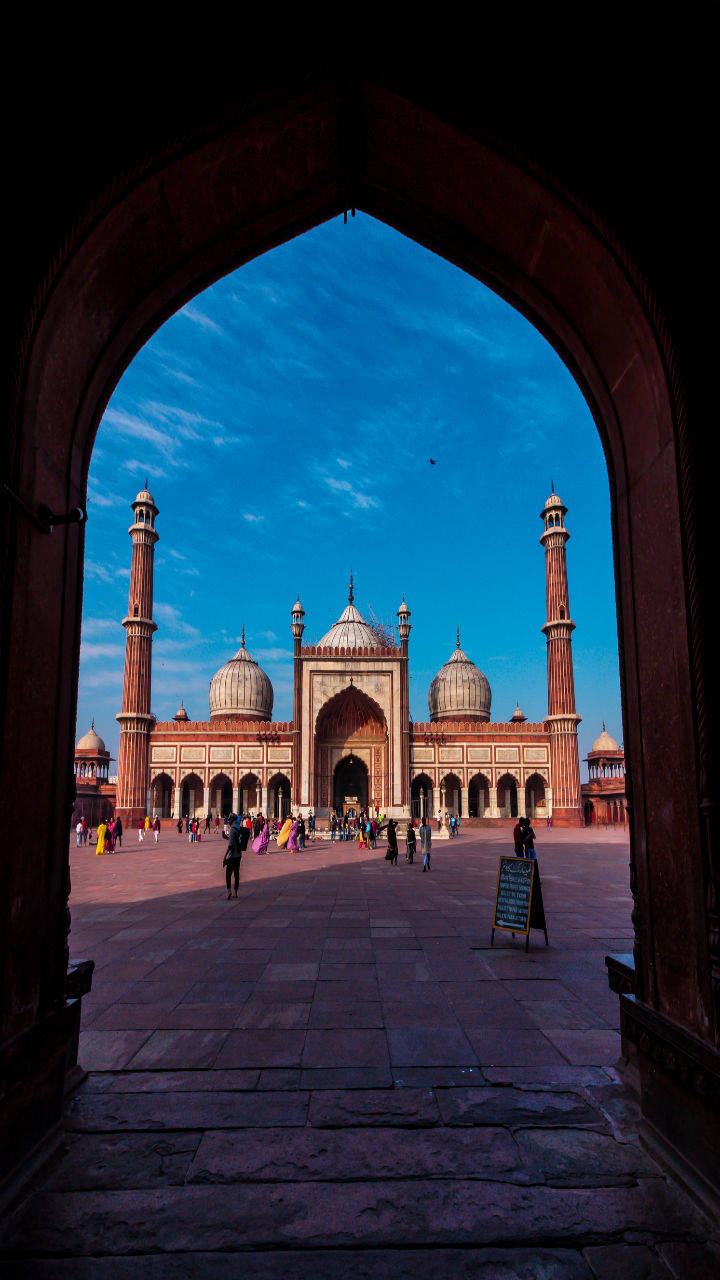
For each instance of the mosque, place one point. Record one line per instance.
(351, 742)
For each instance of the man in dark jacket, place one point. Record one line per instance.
(237, 844)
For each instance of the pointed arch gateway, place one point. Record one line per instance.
(351, 752)
(179, 209)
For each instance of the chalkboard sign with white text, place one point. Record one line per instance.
(518, 899)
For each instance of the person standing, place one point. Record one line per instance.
(118, 832)
(179, 826)
(217, 823)
(233, 855)
(333, 826)
(519, 839)
(156, 828)
(392, 850)
(78, 835)
(425, 843)
(438, 818)
(208, 820)
(528, 839)
(147, 822)
(85, 831)
(261, 841)
(141, 830)
(101, 833)
(292, 843)
(410, 842)
(301, 832)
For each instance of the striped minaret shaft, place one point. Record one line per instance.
(297, 627)
(562, 719)
(136, 719)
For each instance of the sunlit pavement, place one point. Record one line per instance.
(335, 1074)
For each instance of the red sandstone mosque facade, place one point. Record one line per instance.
(351, 741)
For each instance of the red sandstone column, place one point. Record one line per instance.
(135, 718)
(561, 720)
(298, 626)
(404, 630)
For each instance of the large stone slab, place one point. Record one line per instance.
(102, 1112)
(516, 1107)
(312, 1264)
(354, 1215)
(368, 1154)
(408, 1108)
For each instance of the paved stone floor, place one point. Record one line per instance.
(335, 1076)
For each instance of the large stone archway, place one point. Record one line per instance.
(152, 221)
(351, 724)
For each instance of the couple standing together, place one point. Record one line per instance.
(524, 839)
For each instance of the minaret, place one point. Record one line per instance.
(297, 626)
(135, 718)
(404, 629)
(561, 720)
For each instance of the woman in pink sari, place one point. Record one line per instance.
(261, 842)
(110, 844)
(292, 843)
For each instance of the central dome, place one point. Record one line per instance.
(351, 631)
(459, 691)
(241, 689)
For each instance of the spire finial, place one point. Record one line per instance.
(242, 637)
(552, 486)
(92, 726)
(146, 479)
(351, 594)
(458, 638)
(603, 726)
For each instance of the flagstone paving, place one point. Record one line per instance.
(336, 1075)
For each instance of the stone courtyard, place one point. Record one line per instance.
(335, 1075)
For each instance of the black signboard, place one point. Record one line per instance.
(518, 900)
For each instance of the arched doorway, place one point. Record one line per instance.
(221, 795)
(351, 724)
(421, 796)
(192, 797)
(507, 799)
(248, 790)
(162, 796)
(278, 797)
(453, 794)
(478, 796)
(179, 207)
(535, 804)
(350, 786)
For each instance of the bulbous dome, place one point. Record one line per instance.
(459, 691)
(351, 631)
(91, 742)
(241, 688)
(604, 742)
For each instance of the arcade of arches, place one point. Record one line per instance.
(600, 252)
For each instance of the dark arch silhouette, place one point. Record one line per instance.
(148, 226)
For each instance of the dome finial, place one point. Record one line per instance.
(146, 479)
(458, 638)
(351, 594)
(242, 637)
(92, 726)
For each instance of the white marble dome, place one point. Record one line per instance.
(241, 689)
(351, 631)
(90, 741)
(459, 691)
(604, 742)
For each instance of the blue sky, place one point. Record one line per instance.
(286, 418)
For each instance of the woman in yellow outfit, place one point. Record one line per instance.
(101, 834)
(284, 833)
